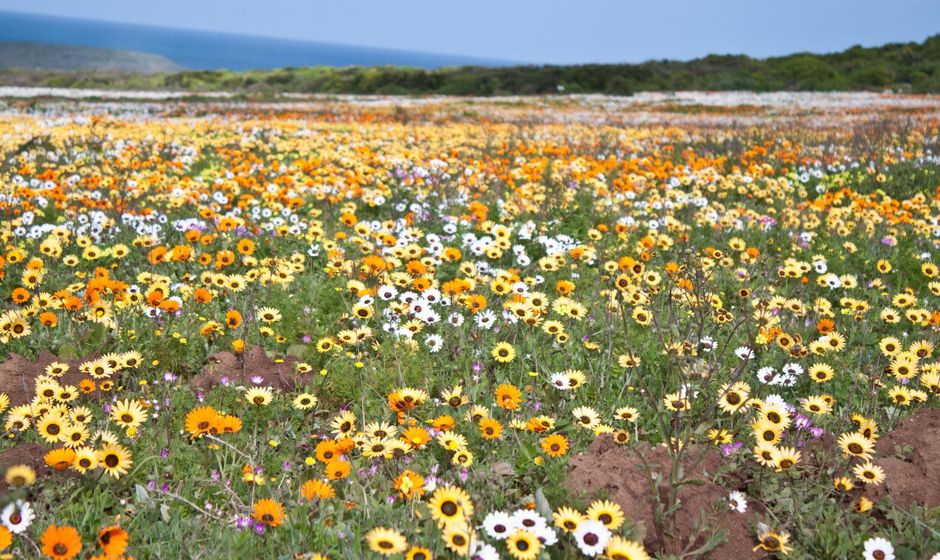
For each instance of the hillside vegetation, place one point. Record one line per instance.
(900, 66)
(41, 56)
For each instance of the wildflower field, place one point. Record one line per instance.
(676, 327)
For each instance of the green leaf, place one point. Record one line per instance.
(297, 350)
(68, 351)
(541, 504)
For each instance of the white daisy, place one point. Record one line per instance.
(17, 516)
(480, 550)
(592, 537)
(529, 520)
(879, 548)
(738, 501)
(499, 525)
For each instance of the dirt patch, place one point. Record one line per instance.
(18, 375)
(606, 468)
(910, 456)
(30, 454)
(256, 364)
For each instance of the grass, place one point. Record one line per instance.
(677, 248)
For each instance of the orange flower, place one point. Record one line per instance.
(490, 428)
(224, 258)
(373, 264)
(245, 247)
(227, 424)
(61, 543)
(443, 423)
(155, 296)
(60, 459)
(326, 451)
(6, 538)
(825, 326)
(345, 445)
(508, 396)
(348, 220)
(48, 318)
(452, 254)
(410, 484)
(337, 469)
(564, 287)
(202, 295)
(317, 489)
(20, 296)
(415, 268)
(233, 319)
(200, 420)
(113, 541)
(157, 255)
(416, 437)
(182, 253)
(171, 306)
(269, 512)
(554, 445)
(475, 303)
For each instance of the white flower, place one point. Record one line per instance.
(528, 519)
(767, 375)
(17, 516)
(560, 381)
(499, 525)
(744, 353)
(480, 550)
(485, 319)
(707, 343)
(879, 548)
(738, 501)
(434, 343)
(547, 535)
(592, 537)
(387, 292)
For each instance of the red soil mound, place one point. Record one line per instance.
(31, 454)
(618, 472)
(279, 374)
(910, 456)
(18, 375)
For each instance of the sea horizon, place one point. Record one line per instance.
(209, 50)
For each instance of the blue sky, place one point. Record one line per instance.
(543, 31)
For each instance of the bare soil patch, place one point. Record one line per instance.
(18, 375)
(606, 468)
(910, 456)
(256, 363)
(30, 454)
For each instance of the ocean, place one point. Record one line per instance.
(203, 50)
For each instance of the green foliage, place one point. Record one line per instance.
(905, 66)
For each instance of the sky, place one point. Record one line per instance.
(538, 31)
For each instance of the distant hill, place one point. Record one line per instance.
(913, 67)
(209, 50)
(41, 56)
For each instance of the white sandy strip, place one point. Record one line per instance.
(779, 99)
(69, 93)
